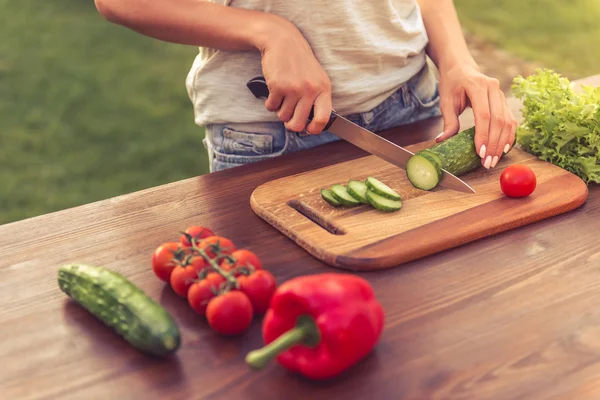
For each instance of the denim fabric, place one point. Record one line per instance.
(232, 145)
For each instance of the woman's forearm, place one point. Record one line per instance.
(447, 45)
(193, 22)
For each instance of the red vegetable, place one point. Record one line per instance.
(194, 232)
(229, 313)
(320, 325)
(201, 292)
(242, 258)
(164, 260)
(259, 286)
(518, 180)
(183, 277)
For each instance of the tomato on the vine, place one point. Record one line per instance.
(197, 233)
(229, 313)
(202, 291)
(164, 260)
(259, 287)
(183, 277)
(242, 258)
(518, 180)
(216, 245)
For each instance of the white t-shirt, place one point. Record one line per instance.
(368, 48)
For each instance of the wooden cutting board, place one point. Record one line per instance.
(362, 238)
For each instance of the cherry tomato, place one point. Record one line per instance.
(196, 232)
(201, 292)
(518, 180)
(259, 287)
(214, 245)
(164, 260)
(229, 313)
(183, 277)
(242, 258)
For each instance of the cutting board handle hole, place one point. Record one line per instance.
(309, 213)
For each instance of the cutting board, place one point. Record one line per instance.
(362, 238)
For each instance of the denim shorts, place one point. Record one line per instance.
(232, 145)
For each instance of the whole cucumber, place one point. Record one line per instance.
(122, 306)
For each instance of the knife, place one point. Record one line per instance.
(365, 139)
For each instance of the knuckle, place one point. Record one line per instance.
(494, 83)
(484, 116)
(499, 121)
(321, 121)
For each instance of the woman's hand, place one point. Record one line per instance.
(464, 85)
(295, 79)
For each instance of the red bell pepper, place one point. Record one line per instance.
(320, 325)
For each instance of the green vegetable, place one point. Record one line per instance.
(383, 203)
(560, 126)
(340, 193)
(358, 190)
(121, 306)
(380, 188)
(456, 155)
(328, 197)
(434, 159)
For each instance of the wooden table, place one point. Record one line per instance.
(516, 315)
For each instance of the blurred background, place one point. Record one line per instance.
(90, 110)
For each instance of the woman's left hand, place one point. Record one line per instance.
(464, 85)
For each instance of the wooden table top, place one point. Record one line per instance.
(512, 316)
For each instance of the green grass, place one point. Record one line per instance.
(88, 110)
(559, 34)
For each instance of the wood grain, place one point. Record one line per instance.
(513, 316)
(364, 239)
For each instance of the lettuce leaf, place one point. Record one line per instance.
(560, 125)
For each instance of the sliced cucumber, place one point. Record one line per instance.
(422, 172)
(434, 159)
(340, 193)
(458, 153)
(383, 203)
(380, 188)
(358, 190)
(328, 197)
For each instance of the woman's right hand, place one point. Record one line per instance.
(295, 78)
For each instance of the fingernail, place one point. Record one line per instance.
(488, 162)
(494, 161)
(482, 151)
(438, 136)
(506, 148)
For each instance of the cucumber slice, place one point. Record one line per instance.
(340, 193)
(383, 203)
(328, 197)
(358, 190)
(380, 188)
(422, 173)
(434, 159)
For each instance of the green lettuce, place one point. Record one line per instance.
(560, 125)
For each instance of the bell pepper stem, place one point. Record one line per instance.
(305, 332)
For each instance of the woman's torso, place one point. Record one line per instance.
(369, 48)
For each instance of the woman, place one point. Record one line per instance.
(364, 58)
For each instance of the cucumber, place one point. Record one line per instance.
(456, 154)
(122, 306)
(383, 203)
(422, 172)
(358, 190)
(380, 188)
(340, 193)
(434, 159)
(328, 197)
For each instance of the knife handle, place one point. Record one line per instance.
(260, 90)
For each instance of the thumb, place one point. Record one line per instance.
(451, 123)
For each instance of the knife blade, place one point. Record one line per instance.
(366, 140)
